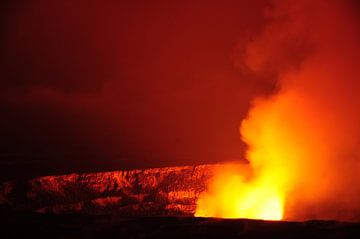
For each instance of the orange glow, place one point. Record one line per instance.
(268, 131)
(303, 141)
(278, 141)
(231, 197)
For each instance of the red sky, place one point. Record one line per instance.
(90, 85)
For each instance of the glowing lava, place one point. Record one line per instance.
(231, 197)
(258, 190)
(304, 140)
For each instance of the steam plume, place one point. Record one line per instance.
(304, 140)
(310, 128)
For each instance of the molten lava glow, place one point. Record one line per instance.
(259, 189)
(235, 198)
(304, 140)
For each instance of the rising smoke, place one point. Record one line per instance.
(310, 128)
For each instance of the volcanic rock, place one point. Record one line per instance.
(149, 192)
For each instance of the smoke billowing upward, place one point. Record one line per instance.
(153, 84)
(303, 140)
(311, 127)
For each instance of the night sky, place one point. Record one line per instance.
(108, 85)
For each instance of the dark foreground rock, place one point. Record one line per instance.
(35, 225)
(150, 192)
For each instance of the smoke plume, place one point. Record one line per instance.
(309, 129)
